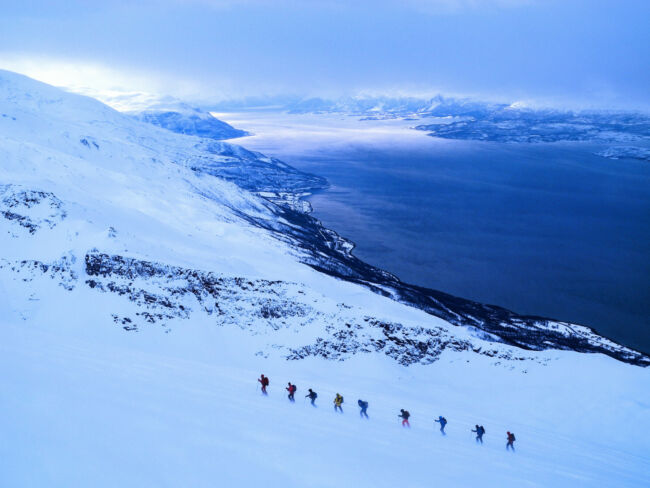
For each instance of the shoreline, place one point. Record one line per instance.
(528, 332)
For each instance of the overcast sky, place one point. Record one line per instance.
(592, 52)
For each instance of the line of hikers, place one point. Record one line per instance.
(479, 430)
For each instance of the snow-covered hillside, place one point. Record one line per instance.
(191, 121)
(147, 278)
(165, 111)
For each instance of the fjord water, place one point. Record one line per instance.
(542, 229)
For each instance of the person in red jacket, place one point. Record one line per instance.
(264, 381)
(511, 439)
(291, 389)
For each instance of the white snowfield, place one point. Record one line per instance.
(138, 306)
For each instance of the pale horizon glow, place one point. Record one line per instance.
(579, 54)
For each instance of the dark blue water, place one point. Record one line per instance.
(550, 230)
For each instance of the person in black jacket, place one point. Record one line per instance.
(312, 395)
(404, 415)
(480, 430)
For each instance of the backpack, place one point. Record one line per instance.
(512, 437)
(482, 429)
(406, 414)
(341, 399)
(443, 421)
(294, 388)
(265, 381)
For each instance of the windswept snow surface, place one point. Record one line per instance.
(144, 287)
(93, 406)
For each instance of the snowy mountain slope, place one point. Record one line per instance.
(141, 294)
(190, 121)
(95, 406)
(165, 111)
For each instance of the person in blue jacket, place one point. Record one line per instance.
(363, 406)
(442, 421)
(511, 440)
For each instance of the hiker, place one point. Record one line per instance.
(511, 439)
(338, 401)
(264, 381)
(442, 421)
(405, 418)
(291, 389)
(480, 430)
(312, 395)
(364, 406)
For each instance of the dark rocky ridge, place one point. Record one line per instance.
(244, 303)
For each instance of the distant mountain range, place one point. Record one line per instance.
(464, 118)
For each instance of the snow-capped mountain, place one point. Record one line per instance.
(190, 121)
(140, 266)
